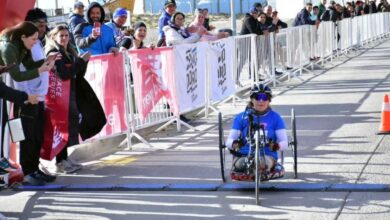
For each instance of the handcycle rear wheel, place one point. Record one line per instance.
(222, 146)
(294, 142)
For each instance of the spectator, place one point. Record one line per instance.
(322, 8)
(175, 32)
(349, 10)
(75, 18)
(90, 37)
(314, 13)
(18, 42)
(370, 7)
(268, 13)
(303, 17)
(14, 95)
(263, 26)
(334, 13)
(207, 20)
(169, 10)
(117, 23)
(136, 41)
(39, 18)
(277, 22)
(359, 10)
(70, 67)
(383, 6)
(258, 6)
(249, 23)
(197, 25)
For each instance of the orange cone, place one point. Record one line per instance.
(385, 120)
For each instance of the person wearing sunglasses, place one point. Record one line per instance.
(258, 113)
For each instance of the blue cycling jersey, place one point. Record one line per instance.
(271, 121)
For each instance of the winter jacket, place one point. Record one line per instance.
(11, 94)
(12, 52)
(250, 25)
(82, 98)
(303, 18)
(162, 22)
(173, 37)
(74, 20)
(83, 35)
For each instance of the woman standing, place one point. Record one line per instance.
(70, 67)
(176, 33)
(16, 49)
(136, 41)
(198, 25)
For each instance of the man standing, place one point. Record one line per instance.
(250, 23)
(322, 8)
(75, 18)
(303, 17)
(169, 10)
(118, 20)
(94, 35)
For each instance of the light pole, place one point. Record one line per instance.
(233, 17)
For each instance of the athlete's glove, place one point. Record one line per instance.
(273, 146)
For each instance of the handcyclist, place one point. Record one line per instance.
(258, 114)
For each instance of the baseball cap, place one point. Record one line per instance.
(78, 4)
(253, 10)
(120, 12)
(169, 2)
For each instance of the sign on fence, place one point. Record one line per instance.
(105, 74)
(221, 68)
(190, 64)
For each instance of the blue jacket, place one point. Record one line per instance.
(83, 35)
(303, 18)
(163, 21)
(74, 20)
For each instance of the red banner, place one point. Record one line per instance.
(152, 70)
(14, 11)
(105, 74)
(56, 117)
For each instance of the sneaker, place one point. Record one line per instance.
(47, 177)
(33, 179)
(6, 165)
(2, 171)
(65, 167)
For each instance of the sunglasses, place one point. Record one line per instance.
(261, 96)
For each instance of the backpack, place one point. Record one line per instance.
(325, 16)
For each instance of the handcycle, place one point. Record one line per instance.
(255, 160)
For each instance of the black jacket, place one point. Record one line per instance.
(93, 117)
(11, 94)
(250, 25)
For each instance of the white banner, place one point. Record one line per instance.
(190, 71)
(220, 58)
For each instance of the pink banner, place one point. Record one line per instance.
(105, 74)
(56, 117)
(153, 74)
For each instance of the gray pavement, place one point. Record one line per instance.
(338, 113)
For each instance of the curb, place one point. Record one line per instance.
(280, 187)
